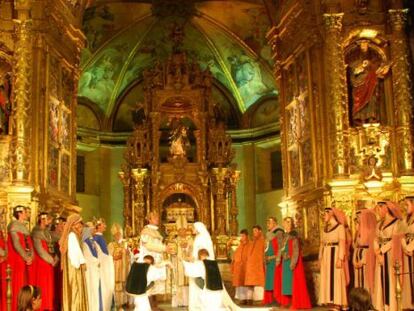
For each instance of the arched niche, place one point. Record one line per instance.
(87, 117)
(262, 113)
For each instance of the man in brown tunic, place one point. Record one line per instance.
(238, 269)
(255, 273)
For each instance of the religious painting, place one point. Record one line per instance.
(302, 73)
(86, 118)
(65, 126)
(54, 116)
(304, 117)
(53, 166)
(294, 168)
(5, 101)
(4, 161)
(366, 74)
(54, 79)
(266, 113)
(290, 86)
(65, 174)
(307, 161)
(68, 88)
(292, 125)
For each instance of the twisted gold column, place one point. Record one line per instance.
(402, 91)
(22, 84)
(337, 97)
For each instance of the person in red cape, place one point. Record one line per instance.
(20, 248)
(273, 280)
(294, 289)
(3, 275)
(44, 261)
(57, 229)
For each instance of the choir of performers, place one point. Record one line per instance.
(407, 243)
(332, 254)
(364, 255)
(387, 245)
(75, 296)
(118, 249)
(273, 280)
(20, 252)
(44, 261)
(255, 269)
(106, 263)
(293, 274)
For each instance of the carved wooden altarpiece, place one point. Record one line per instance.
(178, 157)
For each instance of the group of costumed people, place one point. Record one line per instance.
(368, 259)
(269, 270)
(67, 260)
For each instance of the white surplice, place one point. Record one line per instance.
(92, 277)
(154, 274)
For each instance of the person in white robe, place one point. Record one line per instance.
(197, 295)
(153, 273)
(106, 263)
(93, 282)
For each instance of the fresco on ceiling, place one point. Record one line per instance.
(249, 21)
(102, 22)
(253, 78)
(121, 61)
(266, 113)
(157, 46)
(86, 118)
(100, 75)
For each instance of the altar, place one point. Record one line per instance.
(178, 160)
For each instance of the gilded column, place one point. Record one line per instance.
(219, 174)
(402, 90)
(234, 211)
(22, 84)
(337, 97)
(127, 204)
(138, 212)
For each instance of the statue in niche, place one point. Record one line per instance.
(366, 85)
(179, 141)
(5, 103)
(372, 172)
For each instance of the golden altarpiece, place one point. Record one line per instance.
(178, 159)
(40, 45)
(346, 107)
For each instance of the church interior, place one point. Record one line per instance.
(213, 111)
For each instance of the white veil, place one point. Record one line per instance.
(202, 240)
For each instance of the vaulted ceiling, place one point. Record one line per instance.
(125, 37)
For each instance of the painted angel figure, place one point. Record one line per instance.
(179, 141)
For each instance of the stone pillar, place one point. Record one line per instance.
(21, 106)
(138, 209)
(337, 97)
(402, 91)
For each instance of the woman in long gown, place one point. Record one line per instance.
(73, 265)
(387, 246)
(332, 260)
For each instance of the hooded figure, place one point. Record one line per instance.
(364, 254)
(387, 246)
(332, 257)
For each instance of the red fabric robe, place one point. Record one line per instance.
(43, 273)
(21, 274)
(300, 296)
(3, 275)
